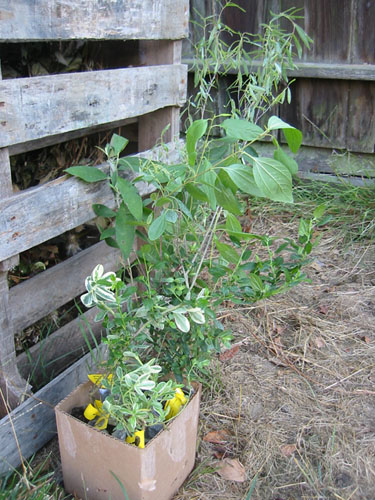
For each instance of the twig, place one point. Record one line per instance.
(343, 379)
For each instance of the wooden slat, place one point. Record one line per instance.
(331, 71)
(321, 112)
(41, 213)
(58, 285)
(151, 125)
(92, 19)
(51, 356)
(32, 108)
(34, 420)
(51, 140)
(325, 161)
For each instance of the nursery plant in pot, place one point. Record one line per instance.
(165, 307)
(142, 428)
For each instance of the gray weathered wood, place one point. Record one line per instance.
(93, 19)
(13, 386)
(39, 214)
(59, 350)
(34, 420)
(152, 125)
(11, 383)
(322, 162)
(330, 71)
(24, 147)
(37, 107)
(58, 285)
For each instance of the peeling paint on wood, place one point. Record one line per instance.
(32, 20)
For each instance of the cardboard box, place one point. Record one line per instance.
(91, 459)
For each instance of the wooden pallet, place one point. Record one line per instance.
(45, 110)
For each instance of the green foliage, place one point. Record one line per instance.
(34, 484)
(136, 396)
(259, 63)
(196, 253)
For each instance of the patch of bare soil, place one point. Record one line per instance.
(291, 409)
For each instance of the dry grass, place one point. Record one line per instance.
(298, 398)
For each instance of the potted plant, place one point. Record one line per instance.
(194, 255)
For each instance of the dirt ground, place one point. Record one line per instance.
(292, 405)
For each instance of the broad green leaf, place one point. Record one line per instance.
(102, 210)
(196, 193)
(196, 130)
(184, 209)
(292, 135)
(157, 227)
(241, 129)
(171, 216)
(226, 199)
(107, 233)
(181, 321)
(162, 201)
(319, 211)
(240, 235)
(132, 162)
(232, 224)
(227, 252)
(125, 232)
(273, 179)
(256, 283)
(118, 143)
(208, 180)
(276, 123)
(87, 174)
(131, 198)
(111, 242)
(243, 177)
(282, 157)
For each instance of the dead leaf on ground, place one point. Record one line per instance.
(319, 342)
(229, 353)
(323, 309)
(288, 449)
(232, 469)
(217, 437)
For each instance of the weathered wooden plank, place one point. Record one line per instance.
(328, 24)
(34, 420)
(92, 19)
(51, 356)
(325, 161)
(330, 71)
(363, 39)
(37, 107)
(58, 285)
(319, 110)
(152, 125)
(360, 123)
(12, 385)
(50, 140)
(41, 213)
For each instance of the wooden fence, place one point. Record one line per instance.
(333, 96)
(44, 110)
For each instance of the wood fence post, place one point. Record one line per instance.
(151, 125)
(12, 385)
